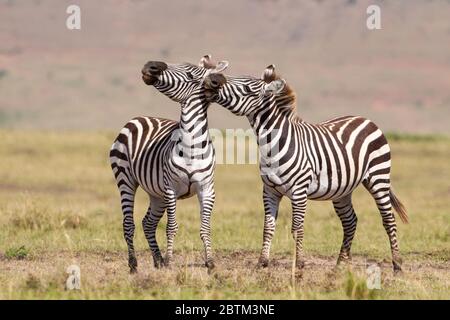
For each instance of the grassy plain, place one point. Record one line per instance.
(59, 206)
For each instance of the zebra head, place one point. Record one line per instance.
(247, 95)
(177, 81)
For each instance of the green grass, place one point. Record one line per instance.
(59, 203)
(17, 253)
(410, 137)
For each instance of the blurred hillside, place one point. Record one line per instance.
(54, 78)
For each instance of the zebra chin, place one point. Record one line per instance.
(211, 95)
(149, 79)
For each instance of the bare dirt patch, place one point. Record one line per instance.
(105, 275)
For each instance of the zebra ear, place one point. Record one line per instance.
(221, 66)
(269, 74)
(275, 87)
(206, 62)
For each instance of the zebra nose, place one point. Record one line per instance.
(216, 80)
(154, 67)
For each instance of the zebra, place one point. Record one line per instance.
(302, 161)
(169, 160)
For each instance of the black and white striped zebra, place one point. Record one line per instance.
(169, 160)
(324, 161)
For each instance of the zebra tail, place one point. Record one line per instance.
(399, 207)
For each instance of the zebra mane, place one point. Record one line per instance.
(288, 98)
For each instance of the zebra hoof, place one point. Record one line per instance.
(167, 262)
(133, 270)
(343, 261)
(263, 263)
(398, 272)
(397, 268)
(132, 263)
(210, 265)
(397, 265)
(300, 264)
(158, 262)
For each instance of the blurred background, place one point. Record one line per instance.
(89, 79)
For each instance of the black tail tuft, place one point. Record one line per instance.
(399, 207)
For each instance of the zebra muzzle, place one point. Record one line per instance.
(149, 79)
(211, 94)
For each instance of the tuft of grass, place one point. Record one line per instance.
(32, 216)
(18, 253)
(356, 287)
(73, 221)
(32, 282)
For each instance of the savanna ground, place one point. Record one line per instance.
(59, 206)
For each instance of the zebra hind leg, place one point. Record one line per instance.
(128, 231)
(383, 201)
(127, 187)
(344, 209)
(150, 224)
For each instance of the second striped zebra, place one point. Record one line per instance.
(324, 161)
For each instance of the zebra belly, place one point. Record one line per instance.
(154, 189)
(183, 187)
(322, 189)
(150, 178)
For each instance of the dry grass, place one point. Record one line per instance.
(103, 275)
(58, 201)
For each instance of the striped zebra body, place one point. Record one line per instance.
(302, 161)
(140, 149)
(169, 160)
(334, 157)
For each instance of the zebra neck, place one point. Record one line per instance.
(193, 131)
(272, 118)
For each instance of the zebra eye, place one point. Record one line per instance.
(247, 89)
(190, 76)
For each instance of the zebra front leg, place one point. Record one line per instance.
(298, 201)
(150, 224)
(346, 213)
(172, 226)
(206, 200)
(271, 205)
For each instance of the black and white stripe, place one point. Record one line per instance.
(324, 161)
(170, 160)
